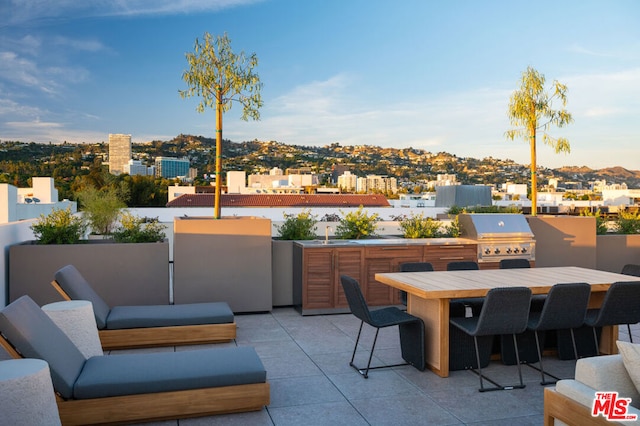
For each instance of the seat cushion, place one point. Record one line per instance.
(35, 335)
(129, 374)
(631, 359)
(169, 315)
(74, 284)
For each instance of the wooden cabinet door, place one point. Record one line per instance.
(346, 261)
(382, 260)
(318, 281)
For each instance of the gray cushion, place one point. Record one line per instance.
(35, 335)
(169, 315)
(74, 284)
(129, 374)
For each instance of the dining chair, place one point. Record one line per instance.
(411, 328)
(564, 308)
(514, 263)
(621, 305)
(505, 311)
(631, 269)
(413, 267)
(471, 304)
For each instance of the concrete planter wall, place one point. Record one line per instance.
(282, 272)
(123, 274)
(564, 240)
(615, 251)
(227, 259)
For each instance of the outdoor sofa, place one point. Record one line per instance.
(123, 327)
(571, 401)
(134, 387)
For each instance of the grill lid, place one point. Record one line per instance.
(494, 225)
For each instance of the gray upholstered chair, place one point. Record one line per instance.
(411, 328)
(505, 311)
(564, 308)
(514, 263)
(155, 325)
(134, 387)
(621, 305)
(631, 269)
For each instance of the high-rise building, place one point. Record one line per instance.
(119, 152)
(168, 167)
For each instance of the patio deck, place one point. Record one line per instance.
(307, 362)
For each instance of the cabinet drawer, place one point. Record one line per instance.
(393, 251)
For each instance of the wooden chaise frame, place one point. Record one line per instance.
(161, 336)
(560, 407)
(158, 406)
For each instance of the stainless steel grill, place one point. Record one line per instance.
(499, 236)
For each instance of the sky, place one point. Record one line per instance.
(427, 74)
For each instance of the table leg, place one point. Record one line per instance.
(435, 314)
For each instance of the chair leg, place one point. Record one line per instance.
(521, 385)
(365, 371)
(595, 339)
(497, 386)
(630, 336)
(543, 382)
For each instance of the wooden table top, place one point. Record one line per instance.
(462, 284)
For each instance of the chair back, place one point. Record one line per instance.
(621, 305)
(505, 311)
(565, 306)
(416, 267)
(463, 266)
(357, 303)
(514, 263)
(74, 284)
(34, 335)
(631, 269)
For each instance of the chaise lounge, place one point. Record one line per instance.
(134, 387)
(123, 327)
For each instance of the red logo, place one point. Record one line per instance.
(611, 407)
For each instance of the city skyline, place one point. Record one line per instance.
(428, 75)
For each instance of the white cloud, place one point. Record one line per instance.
(33, 10)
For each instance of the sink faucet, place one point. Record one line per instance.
(326, 234)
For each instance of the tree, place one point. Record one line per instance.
(219, 76)
(530, 110)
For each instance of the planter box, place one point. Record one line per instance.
(282, 272)
(122, 274)
(227, 260)
(616, 250)
(564, 240)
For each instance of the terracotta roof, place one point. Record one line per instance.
(281, 200)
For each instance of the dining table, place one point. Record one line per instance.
(429, 295)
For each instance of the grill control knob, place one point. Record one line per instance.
(524, 250)
(487, 251)
(509, 250)
(516, 250)
(497, 251)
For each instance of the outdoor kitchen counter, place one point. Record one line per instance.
(318, 265)
(385, 242)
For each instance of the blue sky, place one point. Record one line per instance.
(434, 75)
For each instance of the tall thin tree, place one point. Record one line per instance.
(221, 77)
(530, 110)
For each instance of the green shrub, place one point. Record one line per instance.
(298, 227)
(627, 223)
(357, 224)
(134, 229)
(59, 227)
(102, 208)
(418, 226)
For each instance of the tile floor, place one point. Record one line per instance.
(307, 363)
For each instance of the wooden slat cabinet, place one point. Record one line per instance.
(386, 259)
(441, 255)
(317, 287)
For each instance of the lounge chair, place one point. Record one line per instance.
(157, 325)
(134, 387)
